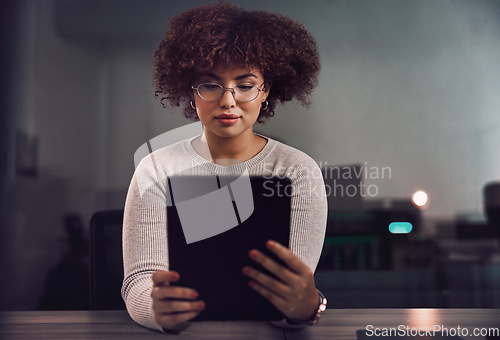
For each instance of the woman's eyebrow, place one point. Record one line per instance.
(210, 75)
(246, 75)
(216, 77)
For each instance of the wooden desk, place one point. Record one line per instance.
(110, 325)
(335, 324)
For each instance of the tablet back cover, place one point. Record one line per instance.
(213, 266)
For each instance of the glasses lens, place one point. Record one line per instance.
(246, 93)
(209, 91)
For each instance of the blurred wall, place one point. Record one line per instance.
(411, 85)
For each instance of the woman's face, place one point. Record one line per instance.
(227, 116)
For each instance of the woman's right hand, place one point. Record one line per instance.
(171, 304)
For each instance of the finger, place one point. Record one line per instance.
(175, 307)
(175, 321)
(270, 283)
(293, 262)
(283, 273)
(165, 292)
(277, 300)
(163, 277)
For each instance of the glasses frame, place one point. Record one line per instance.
(224, 89)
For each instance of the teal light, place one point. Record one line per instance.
(400, 227)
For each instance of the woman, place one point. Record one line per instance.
(229, 68)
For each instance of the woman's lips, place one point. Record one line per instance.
(227, 119)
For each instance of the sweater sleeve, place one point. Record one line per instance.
(144, 242)
(308, 214)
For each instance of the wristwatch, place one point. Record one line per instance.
(316, 316)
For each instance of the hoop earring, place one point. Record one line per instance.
(192, 105)
(264, 108)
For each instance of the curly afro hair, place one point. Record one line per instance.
(221, 35)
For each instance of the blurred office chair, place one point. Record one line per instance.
(106, 260)
(491, 196)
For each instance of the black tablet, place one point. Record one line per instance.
(212, 263)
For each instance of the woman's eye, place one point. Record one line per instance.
(244, 88)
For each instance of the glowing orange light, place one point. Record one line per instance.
(420, 198)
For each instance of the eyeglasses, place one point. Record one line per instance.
(242, 93)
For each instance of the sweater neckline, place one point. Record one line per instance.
(231, 169)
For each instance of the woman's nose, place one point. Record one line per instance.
(227, 99)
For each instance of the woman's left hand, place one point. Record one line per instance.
(294, 292)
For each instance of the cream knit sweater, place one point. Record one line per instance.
(145, 222)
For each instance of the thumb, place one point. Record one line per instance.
(163, 277)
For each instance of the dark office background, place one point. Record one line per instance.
(411, 86)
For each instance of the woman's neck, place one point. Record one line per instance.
(229, 151)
